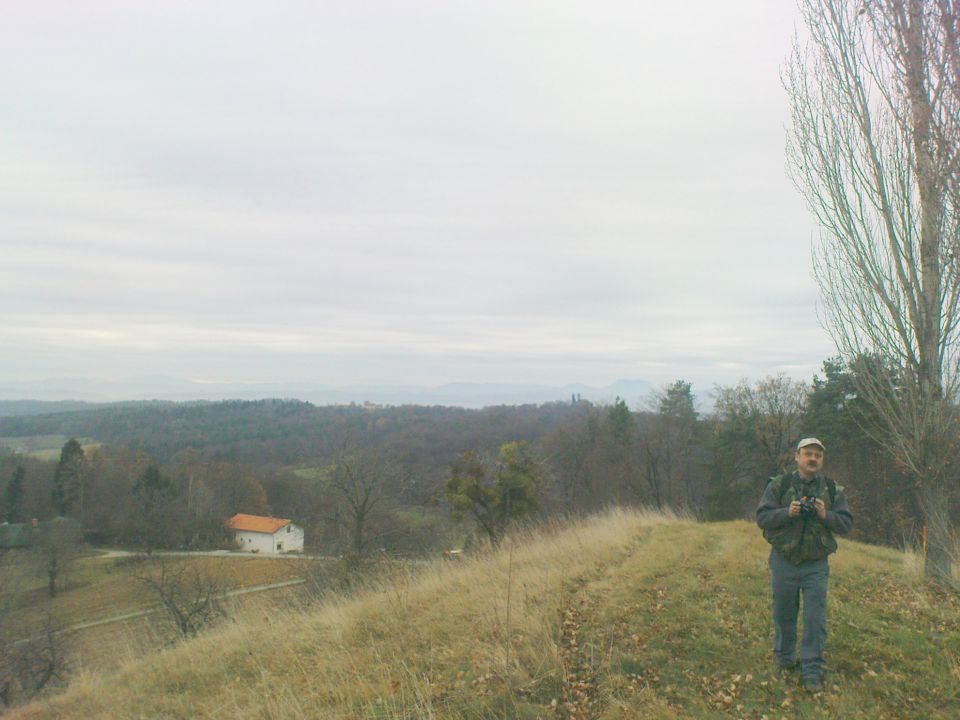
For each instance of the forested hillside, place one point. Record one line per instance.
(360, 477)
(286, 432)
(41, 407)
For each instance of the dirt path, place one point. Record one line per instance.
(580, 701)
(148, 611)
(117, 553)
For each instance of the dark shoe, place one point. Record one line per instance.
(813, 686)
(792, 667)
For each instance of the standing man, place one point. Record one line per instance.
(799, 513)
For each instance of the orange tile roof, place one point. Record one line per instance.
(256, 523)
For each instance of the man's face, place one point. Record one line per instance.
(809, 460)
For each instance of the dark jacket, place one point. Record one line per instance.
(805, 537)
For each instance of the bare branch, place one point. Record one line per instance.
(874, 149)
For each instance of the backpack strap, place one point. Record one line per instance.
(785, 481)
(832, 488)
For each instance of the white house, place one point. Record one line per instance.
(267, 535)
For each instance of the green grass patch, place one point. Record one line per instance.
(45, 447)
(313, 473)
(687, 629)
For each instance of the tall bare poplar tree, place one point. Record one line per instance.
(875, 97)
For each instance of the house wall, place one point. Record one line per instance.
(266, 544)
(254, 542)
(291, 541)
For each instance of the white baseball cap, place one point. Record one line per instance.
(810, 441)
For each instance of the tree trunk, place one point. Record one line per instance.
(358, 522)
(939, 556)
(52, 578)
(935, 496)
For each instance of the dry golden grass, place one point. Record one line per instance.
(448, 635)
(102, 589)
(109, 646)
(626, 615)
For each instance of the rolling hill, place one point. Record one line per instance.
(625, 615)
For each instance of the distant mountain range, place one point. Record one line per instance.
(64, 394)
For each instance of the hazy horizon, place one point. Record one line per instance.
(636, 392)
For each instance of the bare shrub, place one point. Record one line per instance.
(190, 594)
(28, 665)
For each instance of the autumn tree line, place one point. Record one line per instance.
(417, 479)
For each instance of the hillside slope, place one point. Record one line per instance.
(627, 615)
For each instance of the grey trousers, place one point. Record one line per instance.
(789, 582)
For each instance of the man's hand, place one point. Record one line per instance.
(794, 508)
(821, 510)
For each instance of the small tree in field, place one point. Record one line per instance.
(33, 659)
(495, 498)
(190, 594)
(57, 546)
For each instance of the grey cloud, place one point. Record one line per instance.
(463, 192)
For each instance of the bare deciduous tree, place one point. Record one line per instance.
(190, 594)
(764, 420)
(875, 98)
(574, 451)
(31, 658)
(41, 660)
(667, 448)
(359, 479)
(755, 429)
(58, 544)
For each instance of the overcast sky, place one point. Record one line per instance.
(401, 192)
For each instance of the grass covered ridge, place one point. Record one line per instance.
(626, 615)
